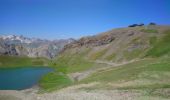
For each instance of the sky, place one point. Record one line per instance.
(61, 19)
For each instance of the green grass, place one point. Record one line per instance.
(54, 81)
(161, 47)
(15, 61)
(149, 31)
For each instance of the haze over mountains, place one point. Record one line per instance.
(31, 47)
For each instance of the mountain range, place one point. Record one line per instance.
(31, 47)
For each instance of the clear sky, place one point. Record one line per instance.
(56, 19)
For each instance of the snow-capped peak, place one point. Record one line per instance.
(17, 38)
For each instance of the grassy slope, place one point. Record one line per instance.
(150, 75)
(136, 70)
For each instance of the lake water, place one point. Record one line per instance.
(21, 78)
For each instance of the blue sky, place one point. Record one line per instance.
(56, 19)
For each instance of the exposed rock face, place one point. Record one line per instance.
(91, 41)
(31, 47)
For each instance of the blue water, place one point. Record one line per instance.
(21, 78)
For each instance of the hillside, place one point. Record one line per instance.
(116, 46)
(120, 45)
(133, 59)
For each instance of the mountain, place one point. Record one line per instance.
(31, 47)
(135, 60)
(113, 48)
(118, 45)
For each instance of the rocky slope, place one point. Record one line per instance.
(31, 47)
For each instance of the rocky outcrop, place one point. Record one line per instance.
(91, 41)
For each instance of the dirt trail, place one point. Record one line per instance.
(81, 75)
(116, 64)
